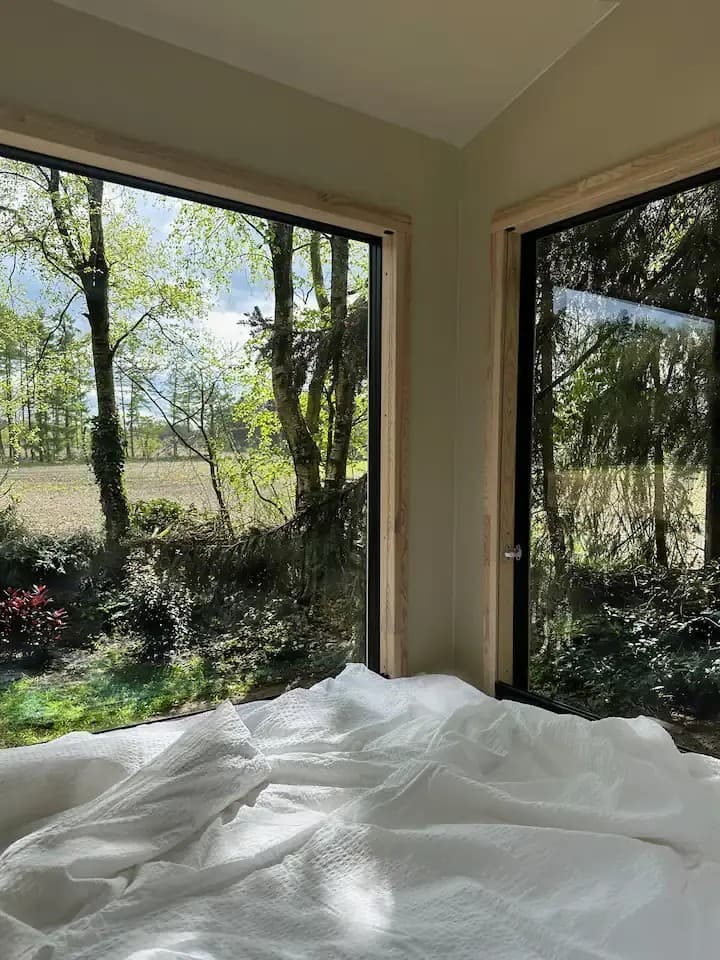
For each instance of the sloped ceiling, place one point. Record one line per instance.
(444, 68)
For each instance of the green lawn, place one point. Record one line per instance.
(106, 689)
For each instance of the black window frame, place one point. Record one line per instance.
(375, 329)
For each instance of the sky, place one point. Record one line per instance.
(225, 320)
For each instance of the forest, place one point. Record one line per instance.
(625, 490)
(183, 453)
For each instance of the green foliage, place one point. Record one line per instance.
(12, 525)
(320, 552)
(157, 515)
(155, 607)
(34, 558)
(640, 640)
(269, 639)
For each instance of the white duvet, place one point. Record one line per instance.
(362, 818)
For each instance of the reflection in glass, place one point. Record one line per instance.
(625, 493)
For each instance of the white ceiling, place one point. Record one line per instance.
(445, 68)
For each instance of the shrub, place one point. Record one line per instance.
(12, 526)
(691, 682)
(156, 607)
(652, 646)
(29, 622)
(154, 516)
(268, 638)
(41, 557)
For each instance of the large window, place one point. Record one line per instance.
(189, 437)
(618, 483)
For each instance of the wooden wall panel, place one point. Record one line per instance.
(666, 165)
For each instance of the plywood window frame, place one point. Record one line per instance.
(70, 142)
(658, 170)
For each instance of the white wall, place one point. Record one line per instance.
(648, 75)
(58, 61)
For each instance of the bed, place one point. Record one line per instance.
(409, 818)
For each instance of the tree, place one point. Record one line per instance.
(304, 394)
(288, 368)
(641, 402)
(328, 361)
(195, 414)
(545, 422)
(94, 247)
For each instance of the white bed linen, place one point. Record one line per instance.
(362, 818)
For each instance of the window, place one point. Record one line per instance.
(189, 449)
(617, 593)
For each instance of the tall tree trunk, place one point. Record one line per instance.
(56, 439)
(93, 271)
(218, 491)
(344, 367)
(330, 431)
(42, 432)
(173, 408)
(9, 412)
(107, 451)
(68, 433)
(659, 519)
(544, 425)
(712, 496)
(303, 448)
(132, 418)
(28, 406)
(106, 444)
(326, 345)
(658, 454)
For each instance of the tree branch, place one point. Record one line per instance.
(75, 257)
(51, 334)
(129, 332)
(267, 500)
(585, 355)
(173, 426)
(246, 220)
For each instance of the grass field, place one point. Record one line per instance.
(61, 497)
(620, 499)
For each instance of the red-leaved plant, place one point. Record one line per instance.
(29, 623)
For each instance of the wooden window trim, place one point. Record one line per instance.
(66, 140)
(663, 167)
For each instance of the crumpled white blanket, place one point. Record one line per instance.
(362, 818)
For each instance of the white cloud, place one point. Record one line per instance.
(229, 326)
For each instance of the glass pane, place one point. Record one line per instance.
(625, 493)
(183, 454)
